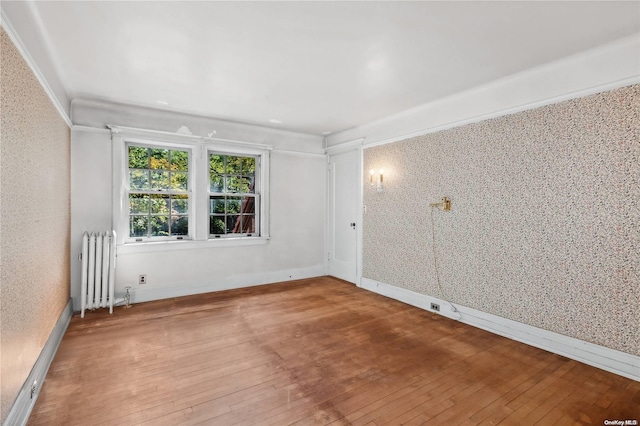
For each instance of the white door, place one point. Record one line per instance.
(343, 222)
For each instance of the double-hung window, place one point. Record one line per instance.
(188, 191)
(233, 201)
(158, 195)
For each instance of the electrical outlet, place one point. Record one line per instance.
(142, 279)
(435, 307)
(34, 388)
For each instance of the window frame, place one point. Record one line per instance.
(256, 194)
(189, 192)
(198, 191)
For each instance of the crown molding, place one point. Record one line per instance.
(134, 131)
(89, 129)
(345, 146)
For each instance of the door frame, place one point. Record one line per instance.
(353, 145)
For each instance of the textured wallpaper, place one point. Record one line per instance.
(545, 221)
(34, 225)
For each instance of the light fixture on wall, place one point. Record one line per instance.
(376, 181)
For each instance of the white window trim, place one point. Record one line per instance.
(199, 148)
(125, 184)
(261, 179)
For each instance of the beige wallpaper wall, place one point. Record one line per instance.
(545, 220)
(34, 226)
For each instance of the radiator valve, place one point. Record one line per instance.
(127, 297)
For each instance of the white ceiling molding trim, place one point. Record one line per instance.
(132, 131)
(601, 69)
(77, 128)
(345, 146)
(98, 114)
(298, 153)
(17, 41)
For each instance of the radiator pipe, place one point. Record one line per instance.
(119, 300)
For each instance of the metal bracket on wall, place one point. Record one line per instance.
(444, 205)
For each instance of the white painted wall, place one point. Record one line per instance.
(604, 68)
(90, 194)
(298, 208)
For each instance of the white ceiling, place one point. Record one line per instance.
(315, 66)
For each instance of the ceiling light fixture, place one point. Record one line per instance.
(274, 121)
(162, 102)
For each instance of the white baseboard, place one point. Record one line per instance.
(24, 403)
(617, 362)
(139, 295)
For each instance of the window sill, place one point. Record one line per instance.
(159, 246)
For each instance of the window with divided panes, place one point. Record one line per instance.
(233, 202)
(158, 192)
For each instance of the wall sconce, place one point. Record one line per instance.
(376, 181)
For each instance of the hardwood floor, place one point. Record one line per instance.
(312, 352)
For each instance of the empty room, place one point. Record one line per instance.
(320, 213)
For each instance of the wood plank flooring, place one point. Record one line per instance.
(312, 352)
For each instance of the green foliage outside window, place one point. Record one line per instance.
(232, 200)
(158, 199)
